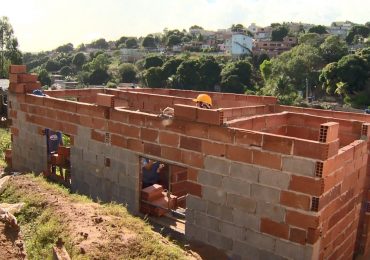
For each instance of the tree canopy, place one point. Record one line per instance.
(278, 33)
(319, 29)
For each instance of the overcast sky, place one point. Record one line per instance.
(47, 24)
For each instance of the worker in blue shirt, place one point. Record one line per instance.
(150, 170)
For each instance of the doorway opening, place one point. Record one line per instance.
(163, 193)
(58, 146)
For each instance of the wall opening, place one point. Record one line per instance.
(163, 192)
(58, 148)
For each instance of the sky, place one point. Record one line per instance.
(42, 25)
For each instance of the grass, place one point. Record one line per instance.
(4, 144)
(41, 227)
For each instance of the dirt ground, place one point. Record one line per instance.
(95, 233)
(11, 245)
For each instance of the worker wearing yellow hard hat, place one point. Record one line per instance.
(203, 101)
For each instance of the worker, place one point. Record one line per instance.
(150, 170)
(39, 92)
(202, 101)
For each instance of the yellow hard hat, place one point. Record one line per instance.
(203, 98)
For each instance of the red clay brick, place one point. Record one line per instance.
(190, 143)
(192, 158)
(267, 159)
(170, 153)
(273, 228)
(301, 220)
(295, 200)
(212, 117)
(135, 145)
(17, 69)
(169, 139)
(149, 135)
(211, 148)
(196, 130)
(27, 78)
(313, 234)
(194, 189)
(192, 174)
(248, 138)
(105, 100)
(118, 140)
(152, 149)
(185, 112)
(307, 185)
(131, 131)
(237, 153)
(297, 235)
(277, 144)
(310, 149)
(221, 134)
(97, 136)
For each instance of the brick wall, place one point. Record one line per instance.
(257, 194)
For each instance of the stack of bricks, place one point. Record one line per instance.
(155, 201)
(20, 81)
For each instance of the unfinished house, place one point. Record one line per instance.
(251, 177)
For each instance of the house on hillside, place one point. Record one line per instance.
(274, 48)
(239, 44)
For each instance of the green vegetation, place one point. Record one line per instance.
(4, 144)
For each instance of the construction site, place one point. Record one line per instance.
(255, 179)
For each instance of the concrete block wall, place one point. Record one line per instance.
(252, 193)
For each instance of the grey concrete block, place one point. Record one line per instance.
(236, 201)
(216, 165)
(259, 240)
(196, 203)
(209, 179)
(246, 251)
(207, 221)
(271, 256)
(218, 211)
(244, 171)
(244, 219)
(214, 195)
(190, 216)
(196, 232)
(274, 178)
(232, 231)
(220, 241)
(89, 156)
(271, 211)
(236, 186)
(289, 250)
(264, 193)
(298, 165)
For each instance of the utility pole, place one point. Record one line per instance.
(306, 90)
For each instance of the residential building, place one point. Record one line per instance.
(274, 48)
(239, 44)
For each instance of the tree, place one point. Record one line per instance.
(238, 28)
(78, 60)
(360, 30)
(149, 41)
(153, 77)
(188, 75)
(333, 48)
(232, 84)
(209, 71)
(121, 40)
(8, 46)
(44, 78)
(65, 48)
(99, 62)
(127, 72)
(312, 39)
(319, 29)
(52, 65)
(196, 27)
(266, 69)
(153, 61)
(99, 44)
(131, 43)
(279, 33)
(242, 69)
(169, 68)
(98, 77)
(173, 40)
(65, 71)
